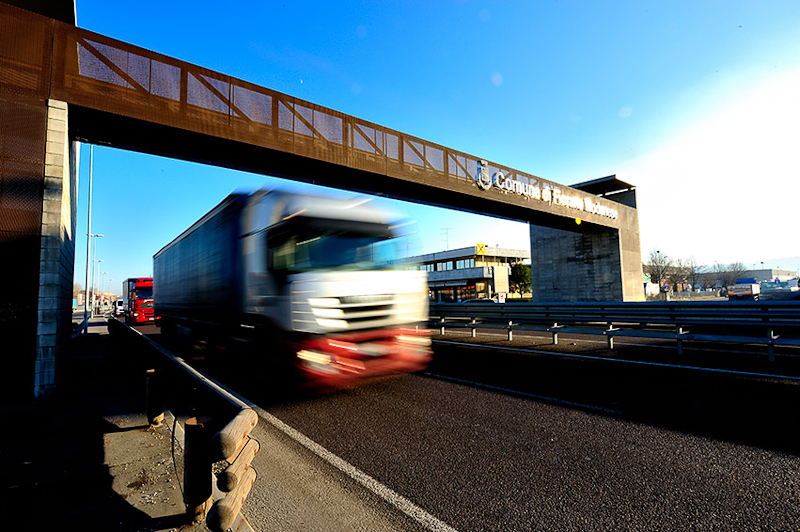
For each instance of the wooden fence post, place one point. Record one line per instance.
(197, 476)
(154, 399)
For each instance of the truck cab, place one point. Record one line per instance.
(137, 295)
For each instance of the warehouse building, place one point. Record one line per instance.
(472, 272)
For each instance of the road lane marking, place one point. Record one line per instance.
(392, 497)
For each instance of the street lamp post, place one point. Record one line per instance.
(102, 286)
(90, 281)
(658, 263)
(94, 276)
(88, 246)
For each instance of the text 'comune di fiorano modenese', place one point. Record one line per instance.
(544, 192)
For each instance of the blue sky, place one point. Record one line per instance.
(695, 103)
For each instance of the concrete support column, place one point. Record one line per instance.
(57, 254)
(590, 263)
(575, 267)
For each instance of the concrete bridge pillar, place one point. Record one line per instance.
(600, 265)
(38, 188)
(57, 249)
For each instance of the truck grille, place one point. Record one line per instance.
(354, 310)
(356, 301)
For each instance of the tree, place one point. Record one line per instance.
(694, 272)
(728, 273)
(658, 267)
(520, 278)
(678, 273)
(723, 274)
(737, 269)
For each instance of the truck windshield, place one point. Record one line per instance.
(311, 245)
(144, 293)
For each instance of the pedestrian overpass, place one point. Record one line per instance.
(60, 85)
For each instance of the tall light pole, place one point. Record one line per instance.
(94, 262)
(88, 245)
(446, 232)
(102, 287)
(94, 276)
(658, 260)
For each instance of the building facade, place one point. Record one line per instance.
(469, 273)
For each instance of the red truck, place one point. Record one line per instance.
(137, 296)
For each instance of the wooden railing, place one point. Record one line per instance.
(215, 425)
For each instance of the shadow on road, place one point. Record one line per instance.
(752, 411)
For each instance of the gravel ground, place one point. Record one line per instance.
(85, 459)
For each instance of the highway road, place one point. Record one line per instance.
(514, 441)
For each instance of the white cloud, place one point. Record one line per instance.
(728, 187)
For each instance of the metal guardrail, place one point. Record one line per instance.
(723, 322)
(216, 428)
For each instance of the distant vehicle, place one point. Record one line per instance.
(746, 288)
(137, 297)
(119, 307)
(310, 285)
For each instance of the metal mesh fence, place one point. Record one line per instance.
(24, 79)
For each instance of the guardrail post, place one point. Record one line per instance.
(474, 329)
(442, 322)
(771, 345)
(510, 332)
(609, 336)
(555, 333)
(154, 400)
(197, 476)
(678, 339)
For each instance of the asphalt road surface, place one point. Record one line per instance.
(488, 441)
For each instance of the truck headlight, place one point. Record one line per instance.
(314, 356)
(324, 302)
(328, 312)
(418, 340)
(333, 324)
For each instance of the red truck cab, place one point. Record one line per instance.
(137, 294)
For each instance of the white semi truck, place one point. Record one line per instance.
(311, 283)
(746, 288)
